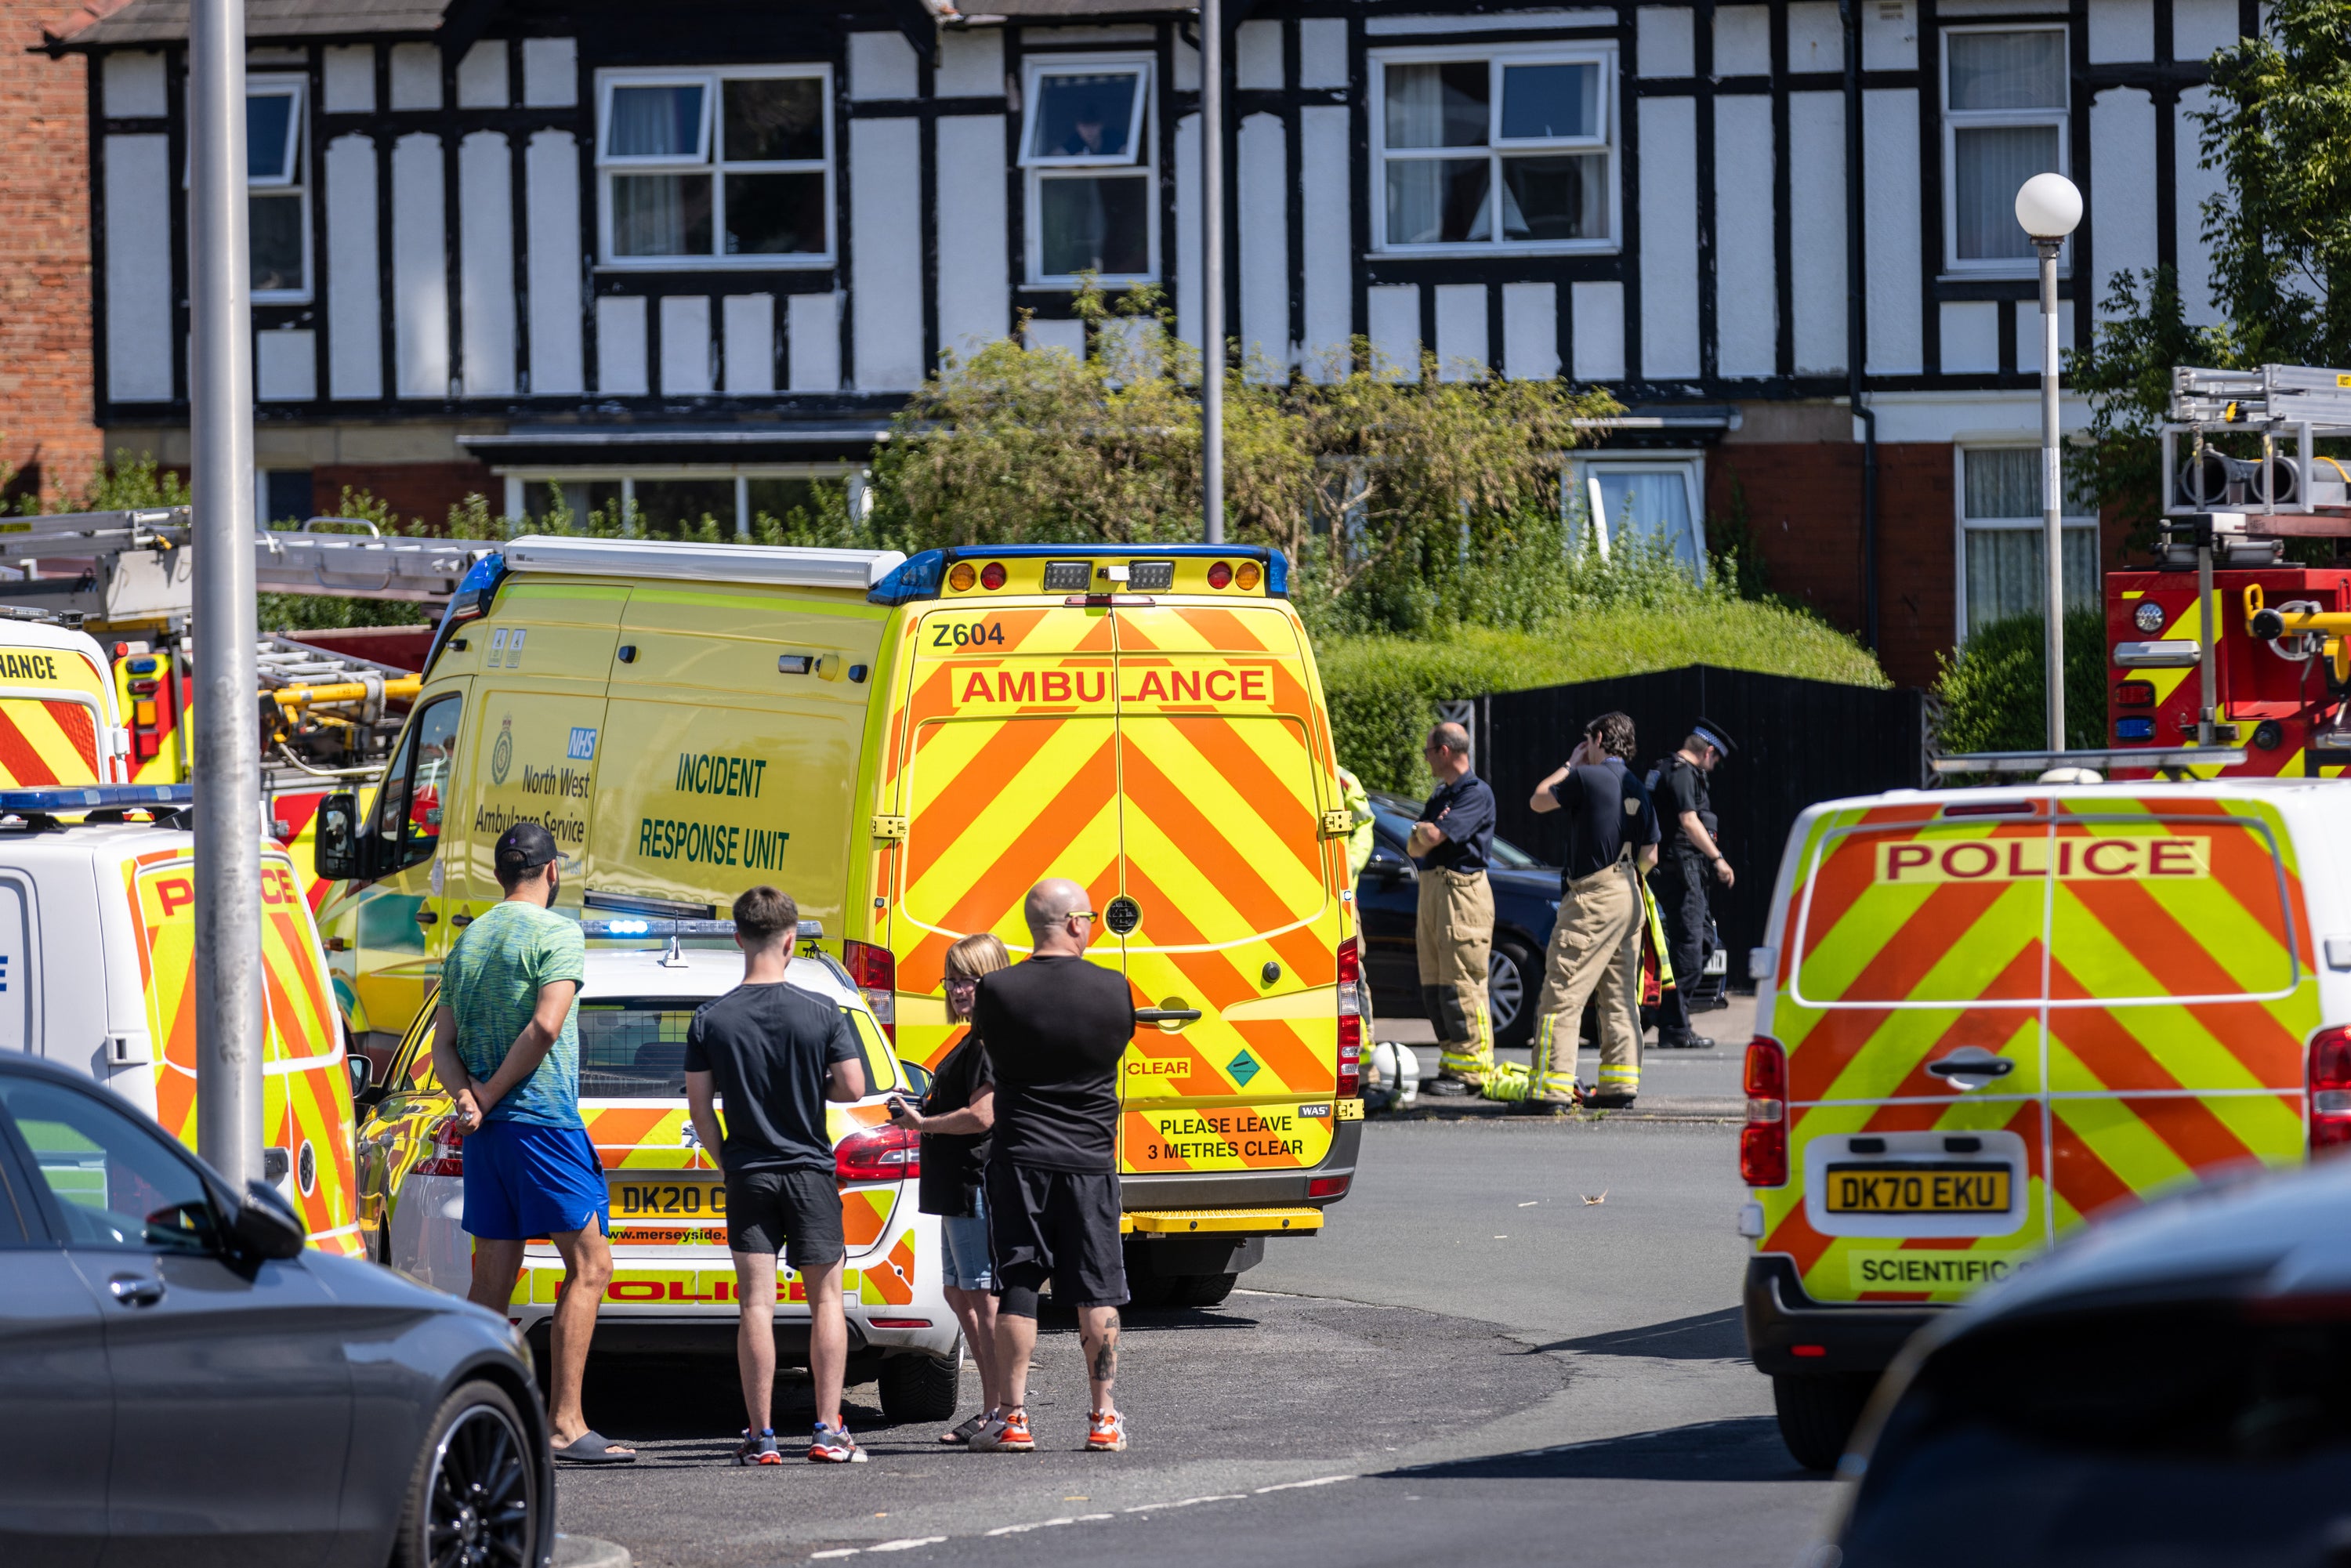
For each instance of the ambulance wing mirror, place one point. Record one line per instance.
(340, 854)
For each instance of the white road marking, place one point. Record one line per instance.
(914, 1540)
(910, 1541)
(1296, 1485)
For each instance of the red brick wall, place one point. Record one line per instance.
(46, 394)
(426, 490)
(1804, 507)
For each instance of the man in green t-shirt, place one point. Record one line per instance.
(504, 1044)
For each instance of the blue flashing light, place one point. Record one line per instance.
(2135, 728)
(57, 799)
(1276, 574)
(470, 602)
(916, 577)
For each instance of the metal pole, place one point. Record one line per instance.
(228, 742)
(1212, 272)
(2051, 496)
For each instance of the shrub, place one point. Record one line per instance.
(1994, 697)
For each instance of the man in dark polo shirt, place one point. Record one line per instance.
(1453, 936)
(1055, 1028)
(1690, 863)
(1611, 837)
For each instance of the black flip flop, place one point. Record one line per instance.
(594, 1448)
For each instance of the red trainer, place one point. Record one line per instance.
(1105, 1432)
(1009, 1437)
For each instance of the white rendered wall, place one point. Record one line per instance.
(974, 271)
(139, 351)
(1668, 238)
(1262, 177)
(1324, 197)
(1818, 246)
(2123, 220)
(1530, 331)
(1596, 329)
(621, 368)
(485, 261)
(1395, 312)
(685, 346)
(748, 331)
(354, 285)
(419, 268)
(812, 328)
(1746, 273)
(885, 239)
(1890, 217)
(551, 211)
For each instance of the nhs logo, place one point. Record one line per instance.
(583, 745)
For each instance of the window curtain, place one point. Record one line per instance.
(2007, 71)
(1993, 160)
(1650, 508)
(2004, 573)
(654, 122)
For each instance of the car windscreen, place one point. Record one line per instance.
(634, 1048)
(1506, 855)
(2199, 1433)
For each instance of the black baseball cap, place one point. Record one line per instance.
(524, 848)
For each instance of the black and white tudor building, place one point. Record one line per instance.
(696, 253)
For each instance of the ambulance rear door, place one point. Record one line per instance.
(1226, 904)
(1007, 772)
(57, 717)
(2182, 996)
(1909, 1008)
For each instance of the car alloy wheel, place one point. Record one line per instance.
(480, 1509)
(1505, 991)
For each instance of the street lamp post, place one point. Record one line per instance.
(2048, 206)
(1212, 272)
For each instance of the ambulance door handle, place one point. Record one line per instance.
(427, 917)
(1978, 1065)
(461, 920)
(1166, 1015)
(136, 1289)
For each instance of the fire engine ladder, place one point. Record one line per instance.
(335, 691)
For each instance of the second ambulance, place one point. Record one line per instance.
(1985, 1017)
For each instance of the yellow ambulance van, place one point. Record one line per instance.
(60, 720)
(906, 745)
(98, 927)
(1986, 1017)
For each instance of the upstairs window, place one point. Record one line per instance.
(278, 204)
(1087, 148)
(2003, 122)
(716, 167)
(1481, 150)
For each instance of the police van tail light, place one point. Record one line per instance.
(876, 972)
(1350, 1020)
(446, 1155)
(1763, 1142)
(2330, 1089)
(878, 1154)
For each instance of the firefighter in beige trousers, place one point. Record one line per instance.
(1454, 935)
(1596, 946)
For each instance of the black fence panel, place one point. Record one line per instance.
(1799, 742)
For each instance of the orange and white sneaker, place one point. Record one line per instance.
(1105, 1432)
(1010, 1435)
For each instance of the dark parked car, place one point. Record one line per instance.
(2173, 1388)
(1387, 895)
(182, 1382)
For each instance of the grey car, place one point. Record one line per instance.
(182, 1382)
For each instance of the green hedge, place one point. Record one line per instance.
(1383, 691)
(1994, 696)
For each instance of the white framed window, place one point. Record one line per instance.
(1486, 150)
(670, 501)
(2000, 572)
(2005, 91)
(278, 200)
(1092, 165)
(1645, 498)
(715, 168)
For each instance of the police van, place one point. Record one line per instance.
(98, 929)
(906, 744)
(673, 1278)
(1986, 1017)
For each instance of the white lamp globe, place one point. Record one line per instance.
(2048, 206)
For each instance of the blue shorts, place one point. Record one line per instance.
(965, 1241)
(524, 1180)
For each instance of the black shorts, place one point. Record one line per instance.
(1061, 1224)
(797, 1213)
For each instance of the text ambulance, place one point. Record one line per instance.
(1986, 1016)
(59, 719)
(907, 745)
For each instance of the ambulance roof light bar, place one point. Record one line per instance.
(792, 566)
(2163, 759)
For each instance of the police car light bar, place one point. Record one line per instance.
(623, 928)
(51, 801)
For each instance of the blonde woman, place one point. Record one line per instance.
(953, 1120)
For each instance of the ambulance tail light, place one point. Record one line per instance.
(1763, 1142)
(2330, 1089)
(1350, 1020)
(875, 971)
(446, 1155)
(878, 1154)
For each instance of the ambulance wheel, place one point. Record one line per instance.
(475, 1478)
(1202, 1289)
(1513, 976)
(1817, 1415)
(1145, 1285)
(919, 1388)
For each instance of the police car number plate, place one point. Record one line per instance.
(1889, 1187)
(685, 1198)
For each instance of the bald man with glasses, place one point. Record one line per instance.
(1055, 1026)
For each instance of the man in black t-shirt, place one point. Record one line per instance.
(775, 1054)
(1595, 945)
(1691, 861)
(1055, 1028)
(1453, 933)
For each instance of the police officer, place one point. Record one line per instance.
(1595, 944)
(1690, 859)
(1454, 936)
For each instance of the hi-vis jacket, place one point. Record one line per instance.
(907, 745)
(1989, 1016)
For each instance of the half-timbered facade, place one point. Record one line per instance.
(694, 255)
